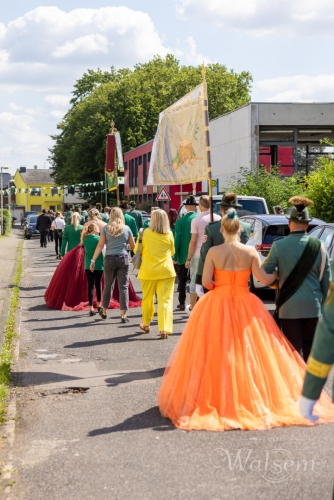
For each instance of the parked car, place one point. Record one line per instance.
(325, 233)
(30, 227)
(265, 229)
(250, 205)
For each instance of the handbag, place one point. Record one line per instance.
(136, 259)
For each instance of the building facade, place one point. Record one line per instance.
(36, 190)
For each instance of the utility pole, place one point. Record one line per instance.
(1, 190)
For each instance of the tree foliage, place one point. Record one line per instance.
(320, 187)
(133, 99)
(269, 185)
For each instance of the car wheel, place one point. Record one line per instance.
(28, 237)
(251, 285)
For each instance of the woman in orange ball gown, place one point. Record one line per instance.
(232, 367)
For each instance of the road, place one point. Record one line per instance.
(88, 426)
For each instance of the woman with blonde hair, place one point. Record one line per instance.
(95, 216)
(232, 367)
(71, 235)
(118, 239)
(157, 274)
(90, 239)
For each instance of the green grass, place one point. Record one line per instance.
(6, 355)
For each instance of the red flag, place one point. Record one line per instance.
(110, 153)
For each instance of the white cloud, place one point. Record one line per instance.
(83, 45)
(15, 107)
(264, 17)
(299, 88)
(57, 100)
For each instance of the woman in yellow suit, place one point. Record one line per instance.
(157, 274)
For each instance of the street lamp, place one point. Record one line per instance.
(1, 191)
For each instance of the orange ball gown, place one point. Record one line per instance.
(233, 368)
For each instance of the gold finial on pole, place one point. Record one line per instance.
(113, 129)
(203, 72)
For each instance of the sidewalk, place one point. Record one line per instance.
(8, 246)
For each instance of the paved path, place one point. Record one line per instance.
(89, 428)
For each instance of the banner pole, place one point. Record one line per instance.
(207, 136)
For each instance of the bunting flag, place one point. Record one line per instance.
(179, 153)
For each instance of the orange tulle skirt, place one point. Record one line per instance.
(233, 368)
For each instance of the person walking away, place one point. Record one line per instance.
(232, 367)
(52, 217)
(148, 221)
(118, 238)
(71, 235)
(43, 225)
(21, 220)
(136, 214)
(95, 216)
(182, 240)
(197, 228)
(320, 360)
(77, 209)
(58, 228)
(214, 237)
(172, 217)
(106, 212)
(90, 239)
(68, 215)
(157, 274)
(129, 220)
(304, 278)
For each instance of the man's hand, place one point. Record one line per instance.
(187, 264)
(92, 266)
(306, 408)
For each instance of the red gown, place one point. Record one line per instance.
(233, 368)
(67, 290)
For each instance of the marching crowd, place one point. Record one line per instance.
(231, 343)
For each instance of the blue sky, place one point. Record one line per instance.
(45, 47)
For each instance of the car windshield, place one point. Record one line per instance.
(251, 207)
(32, 219)
(275, 231)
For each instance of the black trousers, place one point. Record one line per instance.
(43, 238)
(182, 276)
(300, 332)
(94, 280)
(58, 240)
(50, 236)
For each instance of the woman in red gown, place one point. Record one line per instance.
(67, 290)
(232, 367)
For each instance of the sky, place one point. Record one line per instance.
(45, 46)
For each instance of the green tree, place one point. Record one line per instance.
(269, 185)
(133, 99)
(320, 187)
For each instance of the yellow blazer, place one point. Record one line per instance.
(157, 250)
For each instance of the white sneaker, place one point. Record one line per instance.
(188, 310)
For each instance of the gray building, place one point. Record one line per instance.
(284, 134)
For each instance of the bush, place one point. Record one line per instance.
(268, 185)
(7, 221)
(320, 189)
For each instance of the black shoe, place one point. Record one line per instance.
(125, 319)
(92, 313)
(181, 307)
(44, 246)
(57, 256)
(103, 316)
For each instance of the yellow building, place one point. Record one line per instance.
(36, 189)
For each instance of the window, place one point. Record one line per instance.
(273, 232)
(144, 169)
(327, 237)
(136, 171)
(149, 157)
(54, 191)
(35, 191)
(125, 165)
(35, 208)
(132, 173)
(316, 232)
(140, 160)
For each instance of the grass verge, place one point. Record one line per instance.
(6, 355)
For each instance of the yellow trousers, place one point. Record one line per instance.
(164, 290)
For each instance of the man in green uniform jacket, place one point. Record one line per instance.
(321, 358)
(68, 215)
(181, 243)
(300, 313)
(129, 221)
(213, 235)
(136, 214)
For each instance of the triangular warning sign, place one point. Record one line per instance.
(163, 195)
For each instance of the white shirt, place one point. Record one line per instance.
(198, 225)
(59, 223)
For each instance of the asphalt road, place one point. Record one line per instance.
(88, 426)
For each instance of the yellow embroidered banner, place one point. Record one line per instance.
(179, 153)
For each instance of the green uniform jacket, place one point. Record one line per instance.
(213, 238)
(104, 216)
(137, 217)
(90, 244)
(322, 354)
(129, 221)
(68, 217)
(308, 299)
(183, 237)
(71, 238)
